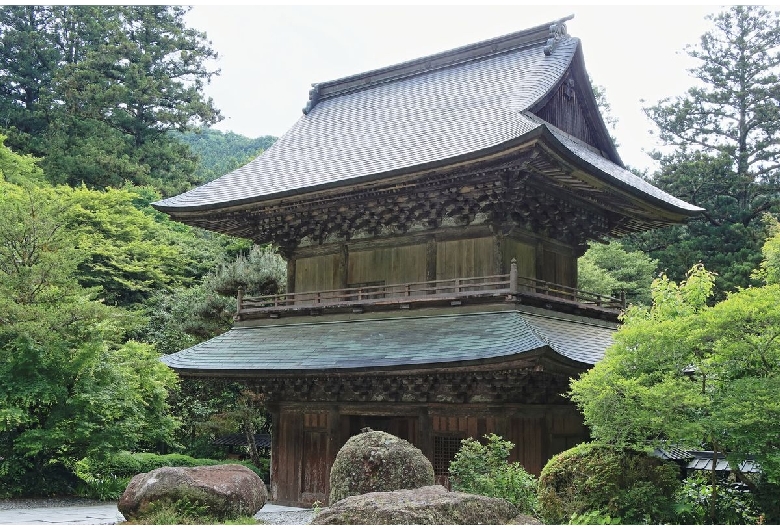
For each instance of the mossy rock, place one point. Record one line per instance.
(219, 492)
(378, 461)
(427, 505)
(631, 485)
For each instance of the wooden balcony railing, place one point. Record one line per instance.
(502, 284)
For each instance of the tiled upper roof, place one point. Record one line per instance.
(397, 342)
(414, 115)
(413, 121)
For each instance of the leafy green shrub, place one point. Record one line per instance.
(484, 470)
(22, 479)
(625, 484)
(733, 506)
(108, 479)
(104, 489)
(594, 518)
(183, 511)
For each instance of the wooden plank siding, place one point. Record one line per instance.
(565, 111)
(318, 273)
(529, 437)
(465, 258)
(306, 443)
(559, 268)
(286, 457)
(391, 265)
(523, 252)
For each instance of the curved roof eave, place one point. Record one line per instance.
(430, 166)
(631, 183)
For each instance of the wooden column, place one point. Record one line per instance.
(541, 273)
(425, 434)
(430, 260)
(275, 454)
(291, 275)
(498, 254)
(334, 442)
(342, 272)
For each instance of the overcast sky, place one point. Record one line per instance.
(270, 55)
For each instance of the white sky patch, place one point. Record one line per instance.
(270, 55)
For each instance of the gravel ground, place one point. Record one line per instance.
(292, 517)
(24, 504)
(296, 517)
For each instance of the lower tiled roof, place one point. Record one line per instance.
(396, 342)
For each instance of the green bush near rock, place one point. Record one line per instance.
(485, 470)
(184, 512)
(628, 485)
(107, 479)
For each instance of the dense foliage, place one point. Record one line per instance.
(600, 482)
(107, 478)
(726, 135)
(608, 268)
(71, 384)
(685, 374)
(485, 470)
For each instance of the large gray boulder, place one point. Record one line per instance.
(427, 505)
(378, 461)
(226, 491)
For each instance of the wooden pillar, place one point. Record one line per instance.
(342, 268)
(430, 260)
(291, 275)
(425, 433)
(334, 442)
(498, 254)
(541, 272)
(275, 454)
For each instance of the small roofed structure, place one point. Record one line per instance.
(431, 214)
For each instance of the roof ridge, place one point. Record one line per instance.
(548, 34)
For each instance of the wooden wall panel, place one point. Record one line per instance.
(528, 436)
(465, 258)
(560, 268)
(524, 253)
(392, 265)
(317, 273)
(288, 455)
(315, 467)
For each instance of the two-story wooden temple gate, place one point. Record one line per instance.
(431, 214)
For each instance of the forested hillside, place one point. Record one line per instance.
(220, 153)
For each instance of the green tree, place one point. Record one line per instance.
(183, 317)
(770, 265)
(680, 371)
(608, 268)
(133, 251)
(726, 130)
(71, 385)
(485, 470)
(96, 89)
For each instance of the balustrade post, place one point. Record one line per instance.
(239, 300)
(457, 285)
(513, 276)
